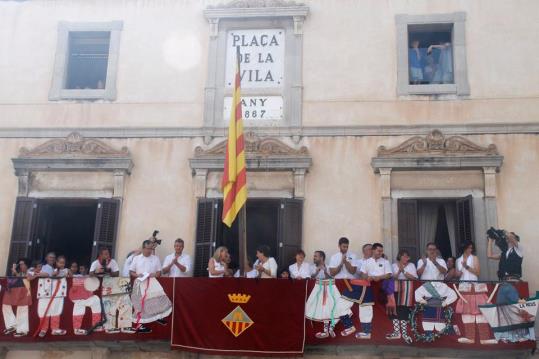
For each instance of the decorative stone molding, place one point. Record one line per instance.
(436, 151)
(73, 153)
(261, 154)
(74, 146)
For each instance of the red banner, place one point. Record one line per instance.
(237, 316)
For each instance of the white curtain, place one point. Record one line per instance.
(428, 219)
(451, 225)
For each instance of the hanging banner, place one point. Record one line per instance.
(238, 316)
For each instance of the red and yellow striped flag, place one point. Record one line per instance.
(234, 183)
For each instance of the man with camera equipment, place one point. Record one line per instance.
(511, 256)
(104, 265)
(149, 299)
(177, 264)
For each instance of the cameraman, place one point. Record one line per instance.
(512, 255)
(104, 265)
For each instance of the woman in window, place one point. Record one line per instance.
(452, 274)
(217, 264)
(471, 295)
(265, 265)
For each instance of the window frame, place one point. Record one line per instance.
(460, 87)
(57, 91)
(223, 20)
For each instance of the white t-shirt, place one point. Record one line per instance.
(127, 265)
(218, 267)
(336, 260)
(409, 268)
(112, 265)
(466, 274)
(47, 269)
(376, 267)
(142, 264)
(184, 260)
(431, 272)
(304, 271)
(253, 273)
(270, 265)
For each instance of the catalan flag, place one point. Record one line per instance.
(234, 183)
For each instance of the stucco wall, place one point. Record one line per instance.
(342, 194)
(349, 66)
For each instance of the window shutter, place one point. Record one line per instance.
(289, 231)
(208, 217)
(106, 225)
(408, 227)
(465, 219)
(24, 223)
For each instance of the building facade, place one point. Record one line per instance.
(383, 121)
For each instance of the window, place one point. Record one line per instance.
(86, 61)
(431, 55)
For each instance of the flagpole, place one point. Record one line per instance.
(242, 237)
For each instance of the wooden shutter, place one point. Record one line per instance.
(106, 225)
(24, 223)
(208, 216)
(289, 231)
(408, 227)
(465, 220)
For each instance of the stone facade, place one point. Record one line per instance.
(352, 143)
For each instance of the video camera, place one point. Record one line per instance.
(154, 239)
(500, 239)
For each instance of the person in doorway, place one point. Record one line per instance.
(17, 295)
(366, 254)
(149, 299)
(35, 270)
(471, 295)
(104, 265)
(83, 270)
(177, 264)
(265, 265)
(60, 270)
(217, 264)
(451, 274)
(73, 270)
(342, 264)
(300, 269)
(431, 267)
(51, 292)
(405, 274)
(319, 269)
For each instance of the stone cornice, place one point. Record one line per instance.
(306, 131)
(257, 8)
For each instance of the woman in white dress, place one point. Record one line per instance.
(300, 269)
(265, 265)
(217, 264)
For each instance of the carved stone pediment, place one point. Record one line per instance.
(74, 145)
(436, 144)
(254, 148)
(255, 4)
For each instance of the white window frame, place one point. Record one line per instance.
(460, 87)
(58, 90)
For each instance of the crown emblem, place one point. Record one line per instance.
(239, 298)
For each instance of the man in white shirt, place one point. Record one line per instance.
(177, 264)
(367, 253)
(431, 267)
(341, 264)
(319, 269)
(104, 265)
(150, 301)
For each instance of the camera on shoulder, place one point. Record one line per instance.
(500, 239)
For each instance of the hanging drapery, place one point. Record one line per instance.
(428, 220)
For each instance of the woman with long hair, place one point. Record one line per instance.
(217, 266)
